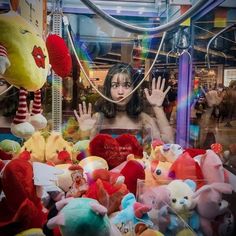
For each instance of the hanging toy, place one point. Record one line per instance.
(24, 63)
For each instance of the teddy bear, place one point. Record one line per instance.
(182, 204)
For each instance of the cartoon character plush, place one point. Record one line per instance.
(22, 46)
(79, 185)
(210, 204)
(24, 63)
(81, 217)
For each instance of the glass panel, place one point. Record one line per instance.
(214, 108)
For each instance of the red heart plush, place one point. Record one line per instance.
(115, 150)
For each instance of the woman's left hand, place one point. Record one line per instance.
(158, 94)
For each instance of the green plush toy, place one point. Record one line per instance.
(24, 63)
(10, 146)
(82, 217)
(9, 149)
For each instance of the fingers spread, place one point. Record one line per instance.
(80, 109)
(89, 108)
(163, 84)
(158, 82)
(167, 90)
(84, 107)
(76, 115)
(146, 92)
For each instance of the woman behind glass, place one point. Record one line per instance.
(126, 116)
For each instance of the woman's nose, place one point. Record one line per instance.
(120, 89)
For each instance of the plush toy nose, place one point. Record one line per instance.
(182, 202)
(64, 155)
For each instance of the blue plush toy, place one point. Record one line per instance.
(132, 212)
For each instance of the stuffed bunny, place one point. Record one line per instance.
(210, 204)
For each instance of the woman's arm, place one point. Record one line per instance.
(156, 98)
(166, 131)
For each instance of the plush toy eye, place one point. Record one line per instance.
(219, 204)
(174, 200)
(24, 31)
(57, 151)
(158, 172)
(186, 197)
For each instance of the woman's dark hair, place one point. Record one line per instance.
(134, 107)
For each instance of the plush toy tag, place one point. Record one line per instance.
(45, 174)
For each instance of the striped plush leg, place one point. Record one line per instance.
(4, 61)
(20, 127)
(36, 118)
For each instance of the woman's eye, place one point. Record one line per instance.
(127, 85)
(114, 85)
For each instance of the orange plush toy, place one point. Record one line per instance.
(21, 207)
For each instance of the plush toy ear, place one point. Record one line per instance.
(201, 190)
(191, 184)
(98, 208)
(222, 187)
(56, 221)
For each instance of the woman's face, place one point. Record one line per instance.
(121, 86)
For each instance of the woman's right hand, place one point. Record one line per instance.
(84, 118)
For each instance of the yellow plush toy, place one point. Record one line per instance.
(24, 63)
(36, 146)
(58, 150)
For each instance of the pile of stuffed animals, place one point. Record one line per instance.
(76, 189)
(105, 186)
